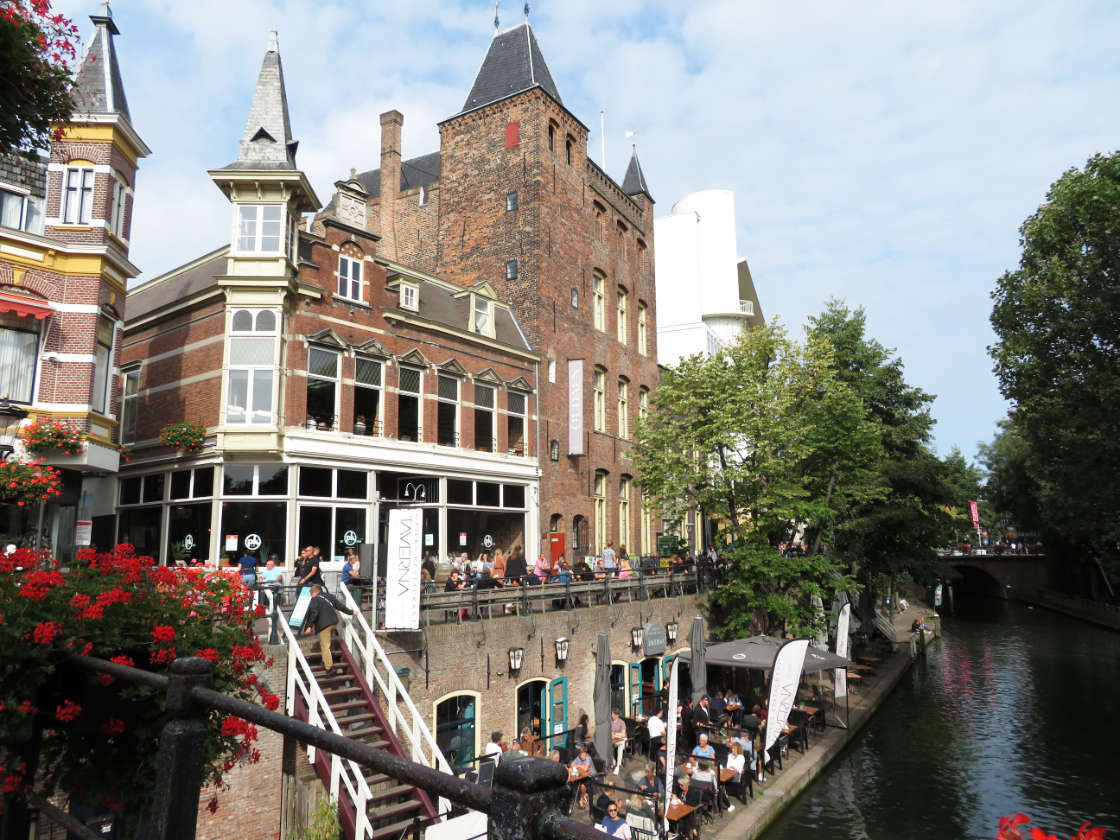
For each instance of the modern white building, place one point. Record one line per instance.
(705, 294)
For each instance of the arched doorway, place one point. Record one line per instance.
(532, 709)
(456, 732)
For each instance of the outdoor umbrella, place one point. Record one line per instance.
(602, 697)
(698, 667)
(758, 653)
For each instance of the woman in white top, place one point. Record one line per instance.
(736, 760)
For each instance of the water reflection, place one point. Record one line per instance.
(1011, 712)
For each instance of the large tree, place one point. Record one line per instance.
(36, 46)
(1057, 358)
(765, 436)
(897, 530)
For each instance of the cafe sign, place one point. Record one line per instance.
(653, 640)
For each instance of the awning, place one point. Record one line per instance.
(36, 308)
(758, 653)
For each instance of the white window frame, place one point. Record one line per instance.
(116, 210)
(251, 370)
(623, 408)
(442, 378)
(598, 316)
(77, 195)
(336, 379)
(643, 340)
(29, 209)
(623, 314)
(349, 287)
(102, 367)
(599, 399)
(646, 546)
(624, 487)
(249, 235)
(410, 297)
(480, 305)
(643, 402)
(600, 523)
(130, 402)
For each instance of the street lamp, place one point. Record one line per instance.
(671, 631)
(10, 418)
(515, 657)
(636, 636)
(562, 649)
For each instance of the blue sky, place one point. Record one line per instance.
(883, 153)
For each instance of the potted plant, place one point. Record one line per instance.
(46, 435)
(25, 482)
(94, 736)
(190, 437)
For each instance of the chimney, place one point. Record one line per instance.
(391, 122)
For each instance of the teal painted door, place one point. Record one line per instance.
(558, 711)
(635, 688)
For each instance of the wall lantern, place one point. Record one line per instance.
(636, 636)
(562, 649)
(10, 418)
(671, 631)
(515, 657)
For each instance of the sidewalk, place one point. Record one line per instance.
(772, 797)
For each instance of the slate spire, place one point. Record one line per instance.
(97, 84)
(267, 142)
(635, 181)
(513, 64)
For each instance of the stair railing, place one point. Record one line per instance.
(379, 671)
(345, 774)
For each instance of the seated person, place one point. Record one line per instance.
(736, 760)
(639, 813)
(717, 707)
(651, 784)
(582, 763)
(703, 774)
(488, 581)
(494, 747)
(704, 749)
(614, 823)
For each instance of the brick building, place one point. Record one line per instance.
(333, 383)
(511, 198)
(65, 223)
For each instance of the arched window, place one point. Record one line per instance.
(579, 536)
(600, 510)
(568, 144)
(456, 727)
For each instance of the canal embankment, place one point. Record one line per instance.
(779, 791)
(1095, 612)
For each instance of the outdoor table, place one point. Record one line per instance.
(870, 660)
(726, 774)
(678, 811)
(858, 667)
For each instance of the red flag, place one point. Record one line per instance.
(975, 514)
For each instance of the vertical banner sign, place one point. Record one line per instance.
(402, 570)
(841, 675)
(575, 406)
(670, 737)
(783, 687)
(975, 517)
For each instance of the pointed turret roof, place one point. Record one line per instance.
(267, 142)
(635, 181)
(513, 64)
(97, 84)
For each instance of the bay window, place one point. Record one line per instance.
(252, 366)
(260, 228)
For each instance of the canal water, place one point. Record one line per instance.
(1015, 710)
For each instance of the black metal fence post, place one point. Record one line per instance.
(179, 778)
(525, 789)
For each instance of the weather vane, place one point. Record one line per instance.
(497, 3)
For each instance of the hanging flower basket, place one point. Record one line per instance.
(100, 735)
(47, 435)
(28, 482)
(189, 437)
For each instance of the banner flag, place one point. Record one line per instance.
(975, 515)
(670, 738)
(784, 679)
(841, 675)
(402, 569)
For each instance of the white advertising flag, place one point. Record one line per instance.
(841, 678)
(783, 687)
(402, 569)
(670, 737)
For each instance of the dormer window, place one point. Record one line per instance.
(260, 228)
(481, 312)
(410, 296)
(77, 198)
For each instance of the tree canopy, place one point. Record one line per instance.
(36, 46)
(1057, 359)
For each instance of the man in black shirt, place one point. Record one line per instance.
(321, 617)
(515, 565)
